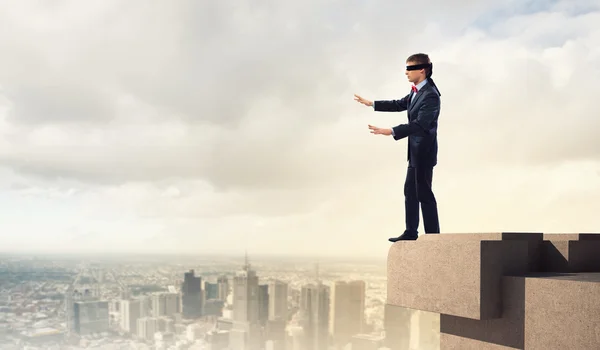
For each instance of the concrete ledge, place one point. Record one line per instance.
(562, 311)
(484, 236)
(501, 290)
(457, 274)
(572, 236)
(533, 239)
(550, 311)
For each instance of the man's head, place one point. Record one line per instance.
(418, 68)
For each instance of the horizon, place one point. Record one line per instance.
(312, 259)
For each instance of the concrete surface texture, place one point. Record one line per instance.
(494, 291)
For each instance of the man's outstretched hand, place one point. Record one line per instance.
(374, 130)
(380, 131)
(363, 100)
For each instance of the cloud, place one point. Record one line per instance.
(174, 117)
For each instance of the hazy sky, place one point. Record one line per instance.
(212, 126)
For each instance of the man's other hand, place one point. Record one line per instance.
(363, 100)
(380, 131)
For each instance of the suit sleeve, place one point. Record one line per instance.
(427, 114)
(391, 105)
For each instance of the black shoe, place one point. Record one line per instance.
(404, 237)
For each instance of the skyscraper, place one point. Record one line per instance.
(191, 298)
(211, 290)
(263, 304)
(278, 295)
(347, 311)
(131, 311)
(246, 332)
(90, 317)
(165, 304)
(245, 295)
(314, 309)
(223, 284)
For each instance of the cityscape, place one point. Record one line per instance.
(217, 303)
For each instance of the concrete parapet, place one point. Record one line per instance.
(457, 274)
(502, 290)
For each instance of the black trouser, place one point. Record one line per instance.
(417, 189)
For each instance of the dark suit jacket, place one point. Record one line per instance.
(421, 129)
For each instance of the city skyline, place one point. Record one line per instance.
(186, 305)
(207, 127)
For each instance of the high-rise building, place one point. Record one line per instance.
(223, 283)
(245, 295)
(192, 295)
(246, 333)
(347, 314)
(90, 317)
(172, 304)
(73, 295)
(159, 304)
(314, 309)
(263, 304)
(131, 311)
(147, 327)
(211, 290)
(278, 295)
(213, 307)
(165, 304)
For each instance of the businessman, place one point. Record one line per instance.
(423, 108)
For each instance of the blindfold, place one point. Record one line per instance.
(419, 66)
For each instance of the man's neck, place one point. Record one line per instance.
(421, 83)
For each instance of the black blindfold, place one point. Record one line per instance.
(419, 66)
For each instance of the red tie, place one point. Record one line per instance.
(414, 89)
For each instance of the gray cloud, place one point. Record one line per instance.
(246, 107)
(59, 102)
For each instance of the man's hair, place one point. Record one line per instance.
(420, 58)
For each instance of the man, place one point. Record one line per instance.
(423, 108)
